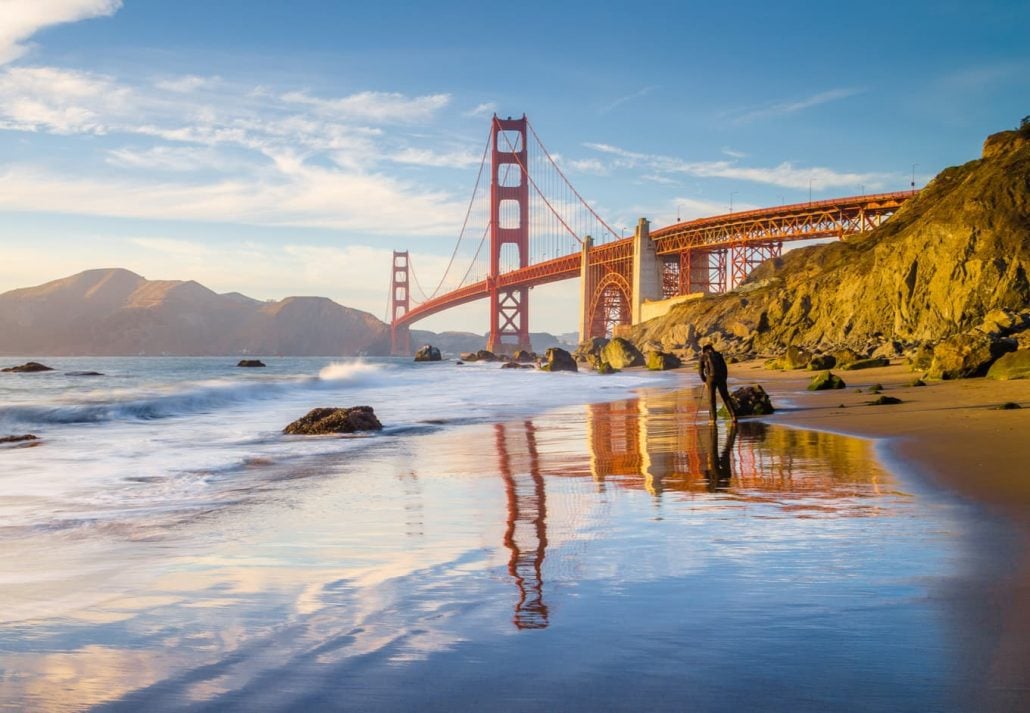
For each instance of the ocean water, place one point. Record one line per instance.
(512, 541)
(158, 439)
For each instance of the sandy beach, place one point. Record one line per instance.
(952, 435)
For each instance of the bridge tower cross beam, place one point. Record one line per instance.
(400, 337)
(509, 225)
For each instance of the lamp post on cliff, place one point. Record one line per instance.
(732, 193)
(914, 177)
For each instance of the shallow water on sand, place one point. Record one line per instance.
(600, 557)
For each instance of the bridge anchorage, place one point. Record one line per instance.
(537, 229)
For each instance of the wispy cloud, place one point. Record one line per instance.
(629, 97)
(428, 157)
(373, 106)
(733, 154)
(23, 18)
(786, 174)
(185, 84)
(484, 109)
(792, 107)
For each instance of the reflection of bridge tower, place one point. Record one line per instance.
(526, 532)
(509, 226)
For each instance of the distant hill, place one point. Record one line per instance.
(117, 312)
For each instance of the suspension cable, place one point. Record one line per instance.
(567, 182)
(468, 212)
(537, 188)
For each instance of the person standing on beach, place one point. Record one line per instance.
(713, 372)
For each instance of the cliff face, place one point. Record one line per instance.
(116, 312)
(958, 250)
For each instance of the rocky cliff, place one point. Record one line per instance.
(117, 312)
(951, 255)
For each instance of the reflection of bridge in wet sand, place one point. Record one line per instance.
(655, 443)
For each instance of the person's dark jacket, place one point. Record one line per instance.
(712, 367)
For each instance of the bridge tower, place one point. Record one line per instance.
(400, 337)
(509, 225)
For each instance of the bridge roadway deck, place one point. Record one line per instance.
(801, 221)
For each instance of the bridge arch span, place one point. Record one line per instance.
(609, 304)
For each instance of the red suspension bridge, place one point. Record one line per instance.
(531, 227)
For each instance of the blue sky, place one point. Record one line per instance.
(281, 148)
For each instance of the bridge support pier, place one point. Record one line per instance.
(647, 271)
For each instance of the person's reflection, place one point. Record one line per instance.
(717, 470)
(525, 533)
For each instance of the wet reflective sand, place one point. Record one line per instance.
(599, 558)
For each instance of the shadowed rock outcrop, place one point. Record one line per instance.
(427, 352)
(557, 359)
(953, 254)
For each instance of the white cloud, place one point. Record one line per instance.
(386, 107)
(59, 101)
(733, 154)
(23, 18)
(785, 174)
(428, 157)
(186, 84)
(179, 159)
(485, 109)
(792, 107)
(303, 195)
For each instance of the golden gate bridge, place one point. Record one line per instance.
(530, 226)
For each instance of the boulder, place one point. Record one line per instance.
(606, 368)
(523, 357)
(885, 401)
(427, 352)
(751, 401)
(661, 361)
(921, 357)
(486, 355)
(846, 356)
(870, 363)
(557, 359)
(321, 421)
(621, 354)
(590, 348)
(467, 356)
(250, 363)
(822, 362)
(516, 365)
(966, 354)
(83, 373)
(1014, 365)
(28, 367)
(825, 381)
(796, 358)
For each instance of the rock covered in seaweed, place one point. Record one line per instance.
(752, 401)
(326, 420)
(621, 353)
